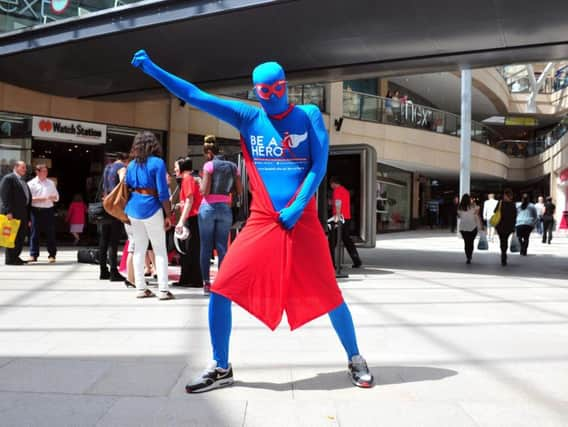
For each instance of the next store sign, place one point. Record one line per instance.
(68, 130)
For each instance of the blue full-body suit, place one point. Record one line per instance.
(289, 146)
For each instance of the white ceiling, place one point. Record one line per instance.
(444, 91)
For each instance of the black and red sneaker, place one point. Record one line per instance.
(359, 372)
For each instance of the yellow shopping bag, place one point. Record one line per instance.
(8, 230)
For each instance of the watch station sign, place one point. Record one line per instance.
(68, 131)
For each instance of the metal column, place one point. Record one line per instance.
(465, 141)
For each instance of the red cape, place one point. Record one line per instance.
(269, 269)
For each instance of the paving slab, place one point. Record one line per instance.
(31, 410)
(450, 344)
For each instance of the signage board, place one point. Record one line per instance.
(68, 131)
(520, 121)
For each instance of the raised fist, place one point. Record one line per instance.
(140, 58)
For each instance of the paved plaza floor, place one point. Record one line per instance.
(450, 344)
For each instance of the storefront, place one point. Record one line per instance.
(393, 199)
(74, 151)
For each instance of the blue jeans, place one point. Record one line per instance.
(215, 222)
(539, 228)
(43, 220)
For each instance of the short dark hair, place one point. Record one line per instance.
(122, 156)
(185, 164)
(334, 180)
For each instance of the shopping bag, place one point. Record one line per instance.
(8, 231)
(115, 202)
(482, 244)
(496, 217)
(515, 244)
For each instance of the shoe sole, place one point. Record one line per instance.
(145, 296)
(361, 384)
(216, 384)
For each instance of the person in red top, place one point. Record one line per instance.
(341, 208)
(190, 200)
(76, 217)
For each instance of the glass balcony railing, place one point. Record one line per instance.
(18, 14)
(372, 108)
(297, 94)
(395, 112)
(517, 79)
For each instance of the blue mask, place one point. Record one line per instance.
(270, 87)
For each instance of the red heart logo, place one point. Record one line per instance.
(45, 125)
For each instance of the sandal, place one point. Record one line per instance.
(129, 284)
(146, 293)
(166, 295)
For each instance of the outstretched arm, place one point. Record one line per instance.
(232, 112)
(319, 148)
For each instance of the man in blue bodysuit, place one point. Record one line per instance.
(285, 149)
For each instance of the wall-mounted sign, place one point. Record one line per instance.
(68, 131)
(521, 121)
(59, 6)
(417, 115)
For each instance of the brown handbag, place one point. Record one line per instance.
(115, 201)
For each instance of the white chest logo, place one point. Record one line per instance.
(275, 149)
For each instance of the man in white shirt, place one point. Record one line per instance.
(540, 211)
(488, 210)
(44, 194)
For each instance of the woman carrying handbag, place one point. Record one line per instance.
(470, 223)
(148, 210)
(507, 221)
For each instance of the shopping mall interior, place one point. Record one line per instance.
(392, 102)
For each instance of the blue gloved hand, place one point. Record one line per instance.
(290, 215)
(140, 59)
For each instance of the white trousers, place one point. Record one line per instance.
(150, 229)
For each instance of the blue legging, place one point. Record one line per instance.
(220, 324)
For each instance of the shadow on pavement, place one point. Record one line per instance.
(384, 375)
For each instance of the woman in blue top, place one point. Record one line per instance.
(527, 217)
(149, 200)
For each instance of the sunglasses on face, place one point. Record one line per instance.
(265, 91)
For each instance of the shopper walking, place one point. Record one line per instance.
(548, 220)
(469, 224)
(15, 203)
(76, 217)
(527, 217)
(539, 205)
(190, 201)
(507, 223)
(44, 195)
(148, 210)
(341, 209)
(488, 209)
(454, 214)
(220, 178)
(111, 230)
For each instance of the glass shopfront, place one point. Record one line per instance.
(393, 199)
(75, 153)
(15, 141)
